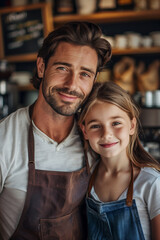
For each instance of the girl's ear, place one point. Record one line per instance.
(82, 126)
(40, 67)
(133, 126)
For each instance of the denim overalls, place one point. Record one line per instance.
(117, 220)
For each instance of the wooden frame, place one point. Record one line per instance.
(46, 19)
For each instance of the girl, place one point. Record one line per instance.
(123, 201)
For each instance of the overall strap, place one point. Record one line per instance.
(92, 179)
(130, 189)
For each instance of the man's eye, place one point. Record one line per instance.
(62, 68)
(84, 74)
(116, 123)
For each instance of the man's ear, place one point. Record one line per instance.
(40, 67)
(82, 126)
(133, 126)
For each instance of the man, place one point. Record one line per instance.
(44, 174)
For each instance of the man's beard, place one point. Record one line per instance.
(68, 108)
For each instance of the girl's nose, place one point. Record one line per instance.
(107, 133)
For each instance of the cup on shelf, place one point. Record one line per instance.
(86, 7)
(120, 41)
(146, 41)
(110, 39)
(156, 98)
(154, 4)
(22, 78)
(19, 2)
(140, 4)
(155, 38)
(148, 99)
(133, 39)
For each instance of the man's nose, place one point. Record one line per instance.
(72, 81)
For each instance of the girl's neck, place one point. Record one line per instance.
(116, 164)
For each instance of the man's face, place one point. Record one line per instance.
(69, 77)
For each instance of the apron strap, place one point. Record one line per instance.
(85, 148)
(31, 110)
(86, 161)
(129, 198)
(31, 162)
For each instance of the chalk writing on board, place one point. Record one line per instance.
(22, 32)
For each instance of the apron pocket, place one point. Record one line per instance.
(68, 227)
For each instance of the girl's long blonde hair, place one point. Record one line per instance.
(112, 93)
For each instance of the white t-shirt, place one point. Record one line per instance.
(49, 155)
(146, 192)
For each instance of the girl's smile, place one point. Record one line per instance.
(108, 145)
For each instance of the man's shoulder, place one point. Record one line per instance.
(19, 115)
(14, 124)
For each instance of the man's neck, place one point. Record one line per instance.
(54, 125)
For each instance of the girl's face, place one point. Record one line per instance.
(108, 129)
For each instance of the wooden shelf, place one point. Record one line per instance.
(108, 17)
(132, 51)
(28, 87)
(129, 51)
(22, 57)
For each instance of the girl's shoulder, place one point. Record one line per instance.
(147, 177)
(150, 172)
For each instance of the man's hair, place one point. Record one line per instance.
(77, 33)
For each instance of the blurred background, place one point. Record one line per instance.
(131, 26)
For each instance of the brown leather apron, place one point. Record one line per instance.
(54, 206)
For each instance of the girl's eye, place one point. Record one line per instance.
(116, 123)
(95, 126)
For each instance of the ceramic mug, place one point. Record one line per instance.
(148, 99)
(156, 38)
(156, 97)
(134, 40)
(120, 41)
(146, 41)
(86, 6)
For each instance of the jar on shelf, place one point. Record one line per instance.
(125, 4)
(108, 5)
(64, 7)
(154, 4)
(86, 7)
(140, 5)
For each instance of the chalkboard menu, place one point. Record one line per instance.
(23, 30)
